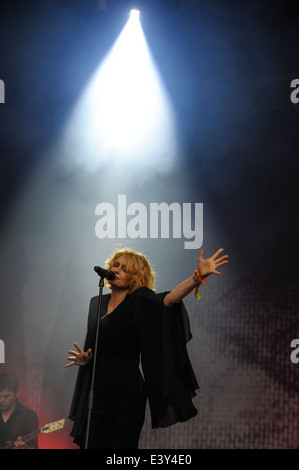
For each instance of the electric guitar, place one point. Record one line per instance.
(47, 429)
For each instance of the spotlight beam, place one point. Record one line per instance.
(124, 114)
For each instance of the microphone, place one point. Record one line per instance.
(104, 273)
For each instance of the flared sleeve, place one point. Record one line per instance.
(79, 410)
(170, 380)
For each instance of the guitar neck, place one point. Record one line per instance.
(26, 438)
(49, 428)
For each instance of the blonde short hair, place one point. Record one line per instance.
(136, 264)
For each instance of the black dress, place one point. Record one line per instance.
(140, 327)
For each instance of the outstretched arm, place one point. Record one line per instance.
(204, 269)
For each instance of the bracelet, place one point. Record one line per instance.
(198, 281)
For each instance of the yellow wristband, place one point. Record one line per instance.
(198, 281)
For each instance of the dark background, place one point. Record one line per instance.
(228, 67)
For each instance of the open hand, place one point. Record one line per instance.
(212, 264)
(79, 358)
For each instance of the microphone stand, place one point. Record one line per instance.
(90, 400)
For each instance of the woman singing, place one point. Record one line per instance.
(138, 328)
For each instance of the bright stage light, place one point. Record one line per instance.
(124, 113)
(135, 14)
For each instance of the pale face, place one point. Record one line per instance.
(122, 277)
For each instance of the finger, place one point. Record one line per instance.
(78, 348)
(221, 264)
(71, 358)
(221, 259)
(217, 253)
(201, 254)
(70, 364)
(74, 353)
